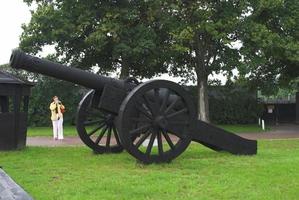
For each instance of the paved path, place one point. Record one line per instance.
(9, 190)
(283, 131)
(277, 132)
(48, 141)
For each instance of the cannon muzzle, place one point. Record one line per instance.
(20, 60)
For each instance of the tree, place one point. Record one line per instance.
(193, 39)
(204, 36)
(202, 33)
(109, 35)
(270, 36)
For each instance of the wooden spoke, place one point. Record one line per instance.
(165, 101)
(184, 110)
(160, 144)
(101, 135)
(171, 106)
(157, 98)
(87, 123)
(116, 135)
(143, 111)
(108, 139)
(96, 129)
(150, 144)
(93, 124)
(95, 112)
(142, 139)
(159, 111)
(168, 140)
(152, 108)
(140, 129)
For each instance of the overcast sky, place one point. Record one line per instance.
(13, 13)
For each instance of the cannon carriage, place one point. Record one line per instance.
(154, 121)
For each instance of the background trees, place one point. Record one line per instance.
(202, 37)
(270, 37)
(190, 39)
(109, 35)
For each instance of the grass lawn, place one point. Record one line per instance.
(243, 128)
(199, 173)
(47, 131)
(71, 130)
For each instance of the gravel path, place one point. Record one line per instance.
(277, 132)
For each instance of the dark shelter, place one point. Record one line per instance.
(14, 99)
(279, 111)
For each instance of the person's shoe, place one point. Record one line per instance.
(55, 138)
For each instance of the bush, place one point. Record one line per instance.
(232, 105)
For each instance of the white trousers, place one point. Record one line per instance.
(58, 129)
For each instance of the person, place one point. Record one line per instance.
(57, 110)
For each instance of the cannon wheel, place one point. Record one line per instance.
(160, 113)
(96, 128)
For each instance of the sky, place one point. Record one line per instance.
(14, 13)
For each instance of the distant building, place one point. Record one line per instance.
(281, 110)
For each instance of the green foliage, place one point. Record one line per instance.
(270, 36)
(41, 97)
(232, 104)
(201, 36)
(107, 34)
(192, 39)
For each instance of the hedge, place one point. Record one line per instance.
(232, 105)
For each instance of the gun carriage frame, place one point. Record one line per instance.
(154, 121)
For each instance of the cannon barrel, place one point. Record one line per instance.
(20, 60)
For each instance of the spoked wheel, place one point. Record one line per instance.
(160, 114)
(96, 128)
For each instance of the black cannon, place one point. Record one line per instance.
(154, 121)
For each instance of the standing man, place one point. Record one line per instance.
(57, 110)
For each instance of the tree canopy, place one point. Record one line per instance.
(110, 35)
(270, 36)
(191, 39)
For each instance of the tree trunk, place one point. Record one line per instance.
(125, 70)
(202, 79)
(203, 99)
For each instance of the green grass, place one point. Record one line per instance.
(243, 128)
(71, 130)
(199, 173)
(47, 131)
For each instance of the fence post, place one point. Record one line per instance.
(297, 107)
(259, 121)
(263, 124)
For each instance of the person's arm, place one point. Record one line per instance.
(62, 106)
(52, 106)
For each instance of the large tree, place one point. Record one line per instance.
(111, 35)
(201, 38)
(270, 36)
(193, 39)
(259, 38)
